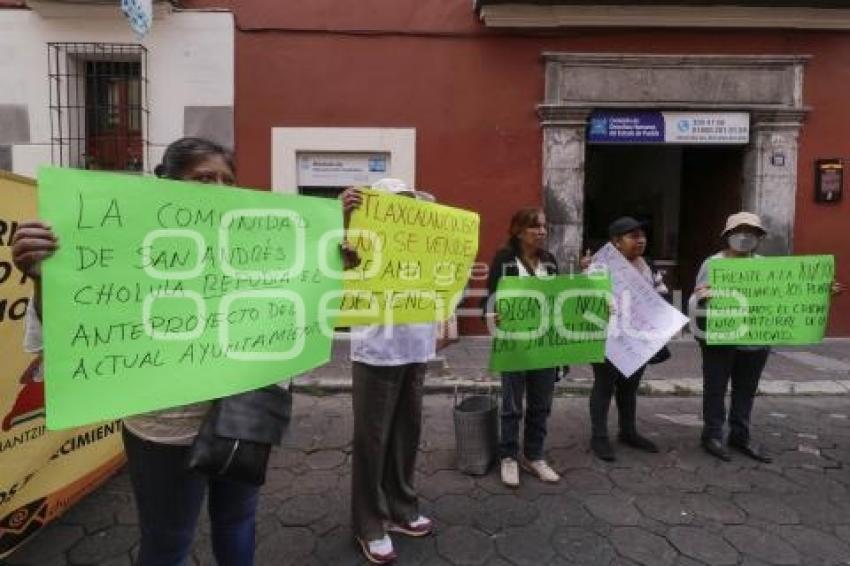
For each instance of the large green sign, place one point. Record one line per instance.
(164, 293)
(549, 322)
(769, 301)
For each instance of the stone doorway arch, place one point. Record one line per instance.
(769, 87)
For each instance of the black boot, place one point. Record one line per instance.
(715, 447)
(633, 439)
(602, 448)
(749, 448)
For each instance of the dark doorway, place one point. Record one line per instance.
(683, 193)
(712, 179)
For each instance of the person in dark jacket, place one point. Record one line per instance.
(525, 256)
(169, 496)
(629, 237)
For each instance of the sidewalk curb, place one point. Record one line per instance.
(685, 387)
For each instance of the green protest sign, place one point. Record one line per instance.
(769, 301)
(549, 322)
(164, 293)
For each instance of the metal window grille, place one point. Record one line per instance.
(98, 105)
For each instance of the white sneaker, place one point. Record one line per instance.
(378, 551)
(541, 469)
(510, 472)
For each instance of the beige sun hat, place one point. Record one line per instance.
(743, 219)
(399, 187)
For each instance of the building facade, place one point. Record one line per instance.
(78, 89)
(676, 112)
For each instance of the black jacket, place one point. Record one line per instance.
(505, 264)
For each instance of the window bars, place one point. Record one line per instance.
(98, 105)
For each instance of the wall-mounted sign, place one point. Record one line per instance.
(829, 180)
(324, 169)
(669, 127)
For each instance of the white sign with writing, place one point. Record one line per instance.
(642, 322)
(326, 169)
(707, 127)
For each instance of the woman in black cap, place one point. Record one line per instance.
(628, 236)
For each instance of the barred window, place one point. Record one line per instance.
(98, 105)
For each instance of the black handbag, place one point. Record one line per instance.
(238, 433)
(660, 356)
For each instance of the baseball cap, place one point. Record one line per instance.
(624, 225)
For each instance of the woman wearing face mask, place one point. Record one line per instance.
(742, 365)
(629, 237)
(168, 495)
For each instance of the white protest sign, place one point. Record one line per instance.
(642, 322)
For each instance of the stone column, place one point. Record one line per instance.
(770, 175)
(564, 135)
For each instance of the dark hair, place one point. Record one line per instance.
(181, 155)
(522, 219)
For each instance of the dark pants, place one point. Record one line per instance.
(720, 364)
(169, 500)
(537, 386)
(387, 402)
(609, 382)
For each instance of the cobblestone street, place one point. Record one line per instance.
(679, 508)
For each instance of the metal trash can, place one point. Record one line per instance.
(476, 420)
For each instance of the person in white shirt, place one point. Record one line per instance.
(388, 368)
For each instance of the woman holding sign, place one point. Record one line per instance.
(742, 365)
(525, 256)
(387, 371)
(628, 236)
(168, 495)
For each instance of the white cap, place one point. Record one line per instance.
(399, 187)
(743, 219)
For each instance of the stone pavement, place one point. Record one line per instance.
(822, 369)
(677, 508)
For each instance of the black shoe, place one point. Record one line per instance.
(754, 451)
(635, 440)
(602, 448)
(716, 449)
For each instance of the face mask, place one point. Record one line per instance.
(743, 243)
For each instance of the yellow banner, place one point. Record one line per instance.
(41, 473)
(415, 260)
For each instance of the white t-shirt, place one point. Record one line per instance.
(394, 345)
(539, 271)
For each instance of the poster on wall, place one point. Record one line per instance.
(42, 473)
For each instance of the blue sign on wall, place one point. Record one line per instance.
(626, 127)
(716, 128)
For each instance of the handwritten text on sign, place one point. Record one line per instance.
(161, 291)
(415, 260)
(642, 322)
(766, 301)
(550, 322)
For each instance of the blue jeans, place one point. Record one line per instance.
(537, 386)
(169, 500)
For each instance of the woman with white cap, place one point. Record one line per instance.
(387, 370)
(742, 365)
